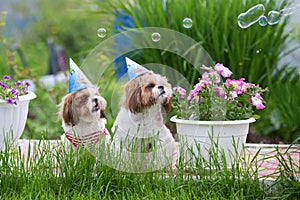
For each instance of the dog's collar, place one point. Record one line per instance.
(88, 140)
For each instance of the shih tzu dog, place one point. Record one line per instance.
(139, 126)
(83, 118)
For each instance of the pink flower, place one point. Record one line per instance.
(225, 72)
(193, 94)
(181, 91)
(200, 85)
(239, 85)
(211, 77)
(257, 101)
(220, 92)
(233, 95)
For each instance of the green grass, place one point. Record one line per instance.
(22, 178)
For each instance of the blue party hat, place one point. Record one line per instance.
(134, 69)
(77, 79)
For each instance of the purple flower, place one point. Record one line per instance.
(14, 91)
(4, 86)
(5, 77)
(24, 89)
(27, 84)
(18, 83)
(10, 101)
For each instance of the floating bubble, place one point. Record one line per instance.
(263, 21)
(289, 11)
(101, 32)
(187, 23)
(155, 37)
(273, 17)
(251, 16)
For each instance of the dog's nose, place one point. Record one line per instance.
(95, 101)
(161, 89)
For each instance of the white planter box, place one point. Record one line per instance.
(198, 138)
(13, 119)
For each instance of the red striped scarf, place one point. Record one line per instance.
(89, 139)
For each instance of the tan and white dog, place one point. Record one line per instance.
(82, 112)
(139, 126)
(83, 118)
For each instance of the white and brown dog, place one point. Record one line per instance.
(83, 118)
(139, 126)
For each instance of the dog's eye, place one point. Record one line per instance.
(151, 85)
(84, 98)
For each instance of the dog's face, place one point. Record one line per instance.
(84, 105)
(147, 90)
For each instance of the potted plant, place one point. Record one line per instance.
(216, 113)
(14, 103)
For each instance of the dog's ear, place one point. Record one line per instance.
(102, 114)
(132, 99)
(102, 104)
(167, 105)
(66, 111)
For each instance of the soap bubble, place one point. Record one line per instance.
(101, 32)
(289, 11)
(251, 16)
(187, 23)
(155, 37)
(263, 21)
(273, 17)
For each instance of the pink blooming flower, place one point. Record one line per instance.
(233, 95)
(200, 85)
(198, 99)
(220, 92)
(181, 91)
(225, 72)
(211, 77)
(193, 94)
(215, 83)
(239, 85)
(257, 101)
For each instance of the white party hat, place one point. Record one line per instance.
(134, 69)
(77, 79)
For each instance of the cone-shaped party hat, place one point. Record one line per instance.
(134, 69)
(77, 79)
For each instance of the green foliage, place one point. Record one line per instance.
(56, 172)
(252, 53)
(215, 28)
(71, 23)
(283, 116)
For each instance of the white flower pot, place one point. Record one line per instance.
(199, 138)
(13, 119)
